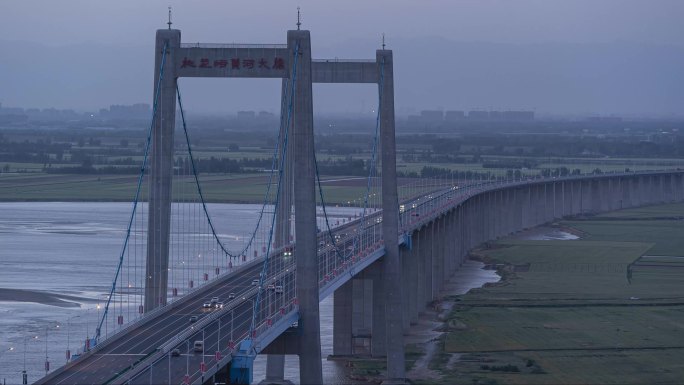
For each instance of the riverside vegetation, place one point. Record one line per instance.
(607, 308)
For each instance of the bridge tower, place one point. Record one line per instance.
(298, 191)
(161, 170)
(197, 60)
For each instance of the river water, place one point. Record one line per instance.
(72, 249)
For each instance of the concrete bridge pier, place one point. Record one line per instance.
(553, 201)
(428, 258)
(567, 198)
(378, 331)
(536, 204)
(557, 199)
(343, 310)
(615, 194)
(494, 214)
(414, 280)
(678, 187)
(357, 304)
(652, 190)
(644, 190)
(511, 212)
(465, 230)
(523, 204)
(443, 252)
(499, 214)
(434, 263)
(607, 196)
(635, 191)
(668, 195)
(405, 257)
(455, 238)
(594, 196)
(626, 184)
(480, 217)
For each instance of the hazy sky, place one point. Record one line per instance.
(350, 28)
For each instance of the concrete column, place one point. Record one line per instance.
(422, 271)
(667, 188)
(526, 207)
(429, 255)
(362, 306)
(453, 238)
(461, 236)
(643, 191)
(275, 363)
(434, 268)
(539, 204)
(550, 199)
(566, 198)
(378, 330)
(441, 273)
(596, 197)
(342, 319)
(627, 193)
(161, 171)
(414, 258)
(396, 371)
(679, 187)
(511, 211)
(585, 203)
(606, 195)
(310, 369)
(503, 211)
(406, 288)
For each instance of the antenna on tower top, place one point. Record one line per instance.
(383, 41)
(169, 22)
(299, 19)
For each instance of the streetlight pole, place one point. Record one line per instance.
(187, 363)
(47, 363)
(97, 323)
(24, 375)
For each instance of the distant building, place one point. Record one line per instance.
(502, 116)
(134, 111)
(496, 115)
(605, 119)
(452, 116)
(265, 115)
(12, 115)
(518, 116)
(478, 115)
(246, 115)
(431, 116)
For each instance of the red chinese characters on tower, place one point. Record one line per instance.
(278, 63)
(248, 63)
(235, 63)
(188, 63)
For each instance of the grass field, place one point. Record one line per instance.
(589, 311)
(236, 188)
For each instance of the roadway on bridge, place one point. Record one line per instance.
(126, 349)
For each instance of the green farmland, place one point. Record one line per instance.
(605, 309)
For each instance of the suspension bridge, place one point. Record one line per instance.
(190, 304)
